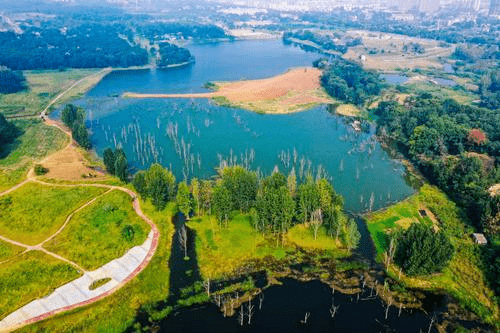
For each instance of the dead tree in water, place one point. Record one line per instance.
(241, 318)
(206, 286)
(333, 310)
(388, 306)
(250, 311)
(306, 317)
(261, 299)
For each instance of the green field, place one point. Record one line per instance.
(101, 232)
(464, 277)
(8, 251)
(43, 86)
(30, 276)
(116, 312)
(221, 251)
(34, 212)
(37, 141)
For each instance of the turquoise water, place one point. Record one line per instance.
(193, 137)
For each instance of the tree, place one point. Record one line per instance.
(291, 182)
(10, 81)
(160, 185)
(242, 185)
(139, 182)
(8, 131)
(109, 160)
(316, 221)
(121, 165)
(71, 115)
(221, 202)
(309, 199)
(81, 135)
(206, 196)
(352, 235)
(195, 189)
(184, 202)
(422, 251)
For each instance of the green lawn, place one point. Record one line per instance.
(101, 232)
(34, 212)
(43, 86)
(8, 250)
(116, 312)
(221, 250)
(464, 277)
(30, 276)
(37, 141)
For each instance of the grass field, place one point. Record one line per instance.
(34, 212)
(116, 312)
(464, 277)
(101, 232)
(461, 96)
(37, 141)
(43, 86)
(8, 251)
(30, 276)
(221, 251)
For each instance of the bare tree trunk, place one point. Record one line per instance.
(183, 239)
(242, 315)
(261, 299)
(250, 311)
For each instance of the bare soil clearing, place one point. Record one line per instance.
(293, 91)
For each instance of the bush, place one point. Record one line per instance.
(421, 251)
(40, 170)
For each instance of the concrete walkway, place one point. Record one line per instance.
(77, 293)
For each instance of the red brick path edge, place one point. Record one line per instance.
(140, 268)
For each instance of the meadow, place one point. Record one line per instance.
(34, 212)
(30, 276)
(101, 232)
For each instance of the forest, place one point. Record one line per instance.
(324, 41)
(10, 81)
(171, 54)
(85, 46)
(158, 31)
(275, 203)
(349, 82)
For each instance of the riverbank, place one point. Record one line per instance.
(296, 90)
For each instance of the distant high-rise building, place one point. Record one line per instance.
(494, 7)
(405, 5)
(428, 6)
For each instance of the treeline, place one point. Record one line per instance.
(10, 81)
(116, 163)
(171, 54)
(275, 203)
(86, 46)
(163, 30)
(349, 82)
(74, 117)
(325, 42)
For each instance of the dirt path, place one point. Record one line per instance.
(20, 318)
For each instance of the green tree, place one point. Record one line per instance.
(183, 198)
(8, 131)
(291, 182)
(421, 251)
(195, 189)
(221, 203)
(109, 160)
(309, 199)
(121, 165)
(160, 185)
(206, 196)
(139, 182)
(81, 135)
(242, 185)
(352, 235)
(72, 114)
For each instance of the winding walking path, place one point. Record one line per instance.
(77, 293)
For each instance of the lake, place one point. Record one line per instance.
(192, 137)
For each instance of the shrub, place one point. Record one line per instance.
(40, 170)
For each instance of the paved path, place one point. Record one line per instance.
(77, 293)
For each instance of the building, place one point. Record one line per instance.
(479, 239)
